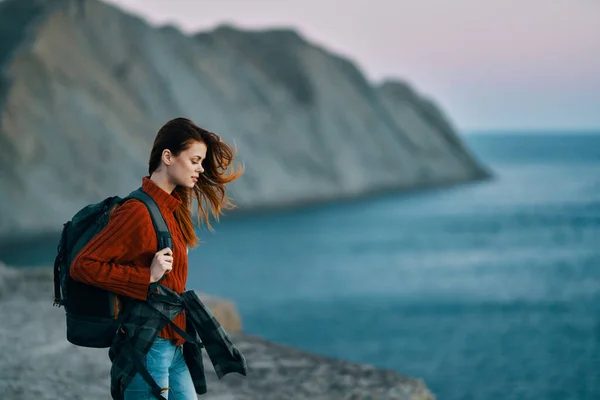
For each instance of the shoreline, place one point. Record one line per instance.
(30, 237)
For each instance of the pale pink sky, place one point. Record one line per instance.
(490, 64)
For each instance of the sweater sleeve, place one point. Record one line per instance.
(109, 260)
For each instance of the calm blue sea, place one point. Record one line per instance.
(486, 291)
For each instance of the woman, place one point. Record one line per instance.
(186, 161)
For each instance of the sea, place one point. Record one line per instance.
(488, 290)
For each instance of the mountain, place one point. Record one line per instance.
(84, 87)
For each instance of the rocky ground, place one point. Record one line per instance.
(37, 362)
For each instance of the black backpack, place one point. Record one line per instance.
(90, 310)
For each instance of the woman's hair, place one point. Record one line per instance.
(177, 135)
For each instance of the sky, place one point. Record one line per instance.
(489, 64)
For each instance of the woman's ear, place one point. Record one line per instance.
(167, 156)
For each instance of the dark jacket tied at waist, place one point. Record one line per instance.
(142, 324)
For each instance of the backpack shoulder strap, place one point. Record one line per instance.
(160, 226)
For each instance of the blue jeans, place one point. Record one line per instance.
(166, 365)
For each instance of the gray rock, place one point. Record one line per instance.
(84, 88)
(36, 361)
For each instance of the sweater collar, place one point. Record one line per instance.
(165, 201)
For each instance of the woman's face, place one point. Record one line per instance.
(187, 166)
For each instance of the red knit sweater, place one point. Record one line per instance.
(119, 257)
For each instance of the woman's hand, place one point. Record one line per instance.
(162, 263)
